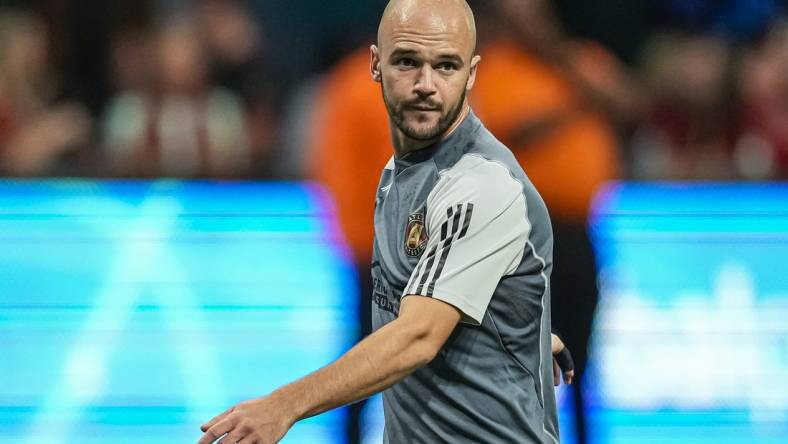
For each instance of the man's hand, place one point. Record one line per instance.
(258, 421)
(562, 361)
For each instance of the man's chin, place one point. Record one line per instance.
(419, 129)
(422, 133)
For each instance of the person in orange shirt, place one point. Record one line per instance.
(350, 129)
(552, 101)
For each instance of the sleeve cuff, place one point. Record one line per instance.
(470, 314)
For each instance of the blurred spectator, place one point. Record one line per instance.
(706, 121)
(761, 150)
(132, 49)
(39, 134)
(168, 119)
(688, 131)
(239, 61)
(79, 35)
(599, 78)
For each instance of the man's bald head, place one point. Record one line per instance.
(429, 17)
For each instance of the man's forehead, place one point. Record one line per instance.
(441, 52)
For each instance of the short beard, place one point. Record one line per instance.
(443, 125)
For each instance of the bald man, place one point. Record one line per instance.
(461, 264)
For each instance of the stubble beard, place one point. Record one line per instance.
(444, 123)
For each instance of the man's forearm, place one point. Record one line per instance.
(376, 363)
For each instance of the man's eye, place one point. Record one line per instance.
(447, 66)
(406, 62)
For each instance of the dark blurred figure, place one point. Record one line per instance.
(689, 128)
(40, 133)
(555, 101)
(704, 121)
(761, 149)
(240, 61)
(168, 119)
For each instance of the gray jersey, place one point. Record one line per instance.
(461, 222)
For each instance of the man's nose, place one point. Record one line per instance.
(425, 85)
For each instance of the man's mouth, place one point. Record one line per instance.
(423, 108)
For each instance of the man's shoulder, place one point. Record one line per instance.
(474, 139)
(481, 165)
(481, 160)
(480, 172)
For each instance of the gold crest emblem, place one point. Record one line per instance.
(415, 235)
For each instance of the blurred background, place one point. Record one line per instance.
(187, 196)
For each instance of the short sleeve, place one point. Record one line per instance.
(478, 227)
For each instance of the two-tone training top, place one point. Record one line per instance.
(460, 221)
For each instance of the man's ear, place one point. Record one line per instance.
(472, 77)
(374, 64)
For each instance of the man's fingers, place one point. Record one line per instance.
(208, 438)
(562, 361)
(216, 419)
(232, 437)
(556, 344)
(217, 430)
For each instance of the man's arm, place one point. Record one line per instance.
(374, 364)
(378, 362)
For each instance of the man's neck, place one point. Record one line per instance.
(404, 145)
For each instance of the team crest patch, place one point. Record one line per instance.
(415, 235)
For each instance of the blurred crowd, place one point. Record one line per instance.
(690, 89)
(134, 89)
